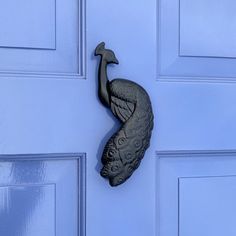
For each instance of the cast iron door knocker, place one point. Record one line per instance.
(130, 103)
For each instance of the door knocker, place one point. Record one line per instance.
(130, 103)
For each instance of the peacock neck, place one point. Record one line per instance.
(103, 84)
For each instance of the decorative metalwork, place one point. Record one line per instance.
(130, 103)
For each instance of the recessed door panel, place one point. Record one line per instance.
(196, 193)
(196, 40)
(31, 206)
(42, 195)
(42, 38)
(207, 28)
(207, 206)
(33, 24)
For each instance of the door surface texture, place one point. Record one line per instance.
(53, 127)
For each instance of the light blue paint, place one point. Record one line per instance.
(42, 39)
(208, 35)
(49, 115)
(197, 39)
(42, 194)
(44, 109)
(196, 193)
(28, 24)
(26, 204)
(206, 205)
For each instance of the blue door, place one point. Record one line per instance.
(53, 128)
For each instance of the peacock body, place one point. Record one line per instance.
(130, 103)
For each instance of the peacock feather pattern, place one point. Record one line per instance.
(130, 103)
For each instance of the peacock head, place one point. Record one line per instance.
(110, 57)
(107, 54)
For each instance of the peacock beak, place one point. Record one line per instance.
(116, 61)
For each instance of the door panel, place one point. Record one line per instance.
(43, 39)
(39, 35)
(197, 40)
(207, 28)
(212, 212)
(42, 195)
(17, 203)
(44, 115)
(196, 165)
(158, 47)
(196, 116)
(196, 193)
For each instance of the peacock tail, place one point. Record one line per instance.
(124, 151)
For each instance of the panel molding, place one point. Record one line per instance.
(24, 36)
(214, 55)
(172, 166)
(175, 67)
(212, 203)
(26, 194)
(81, 162)
(195, 79)
(195, 153)
(42, 156)
(81, 74)
(20, 74)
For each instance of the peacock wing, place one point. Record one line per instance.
(121, 108)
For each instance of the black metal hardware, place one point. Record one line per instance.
(130, 103)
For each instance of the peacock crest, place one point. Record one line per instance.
(130, 103)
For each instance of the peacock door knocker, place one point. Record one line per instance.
(130, 103)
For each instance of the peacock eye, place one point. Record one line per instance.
(128, 155)
(136, 163)
(111, 153)
(121, 141)
(137, 143)
(130, 169)
(114, 168)
(120, 180)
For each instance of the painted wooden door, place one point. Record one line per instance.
(196, 163)
(53, 128)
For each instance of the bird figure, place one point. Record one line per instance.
(130, 103)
